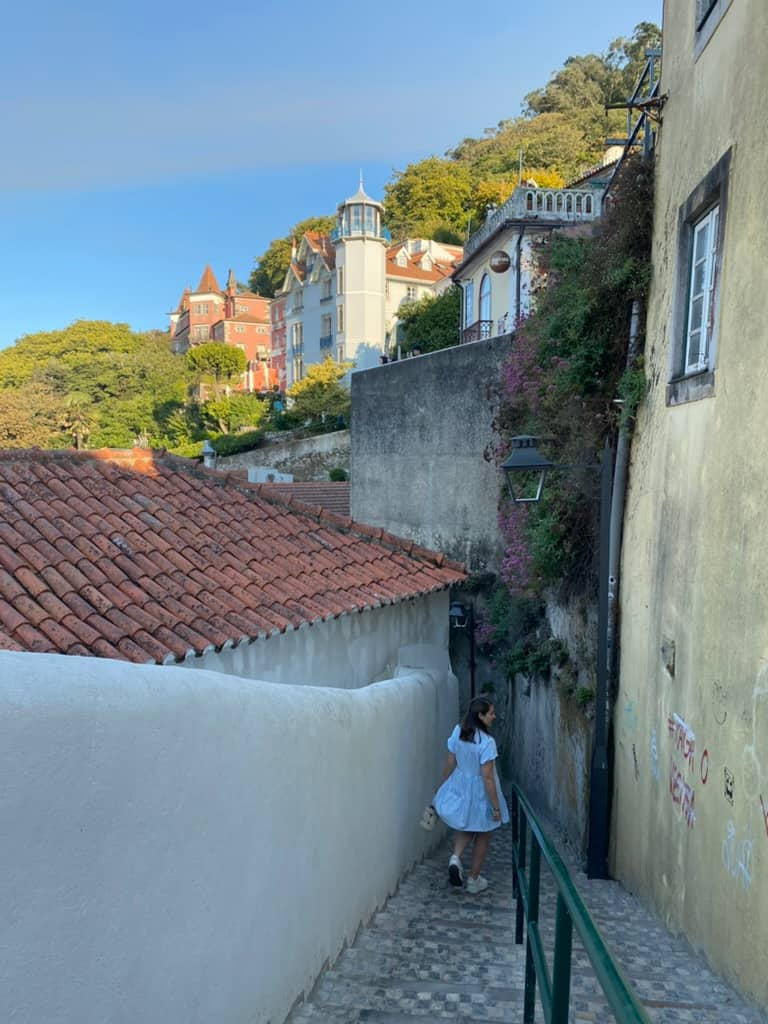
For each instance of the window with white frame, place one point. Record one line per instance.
(340, 280)
(340, 319)
(694, 339)
(410, 292)
(469, 302)
(701, 292)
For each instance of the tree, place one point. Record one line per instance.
(217, 362)
(269, 273)
(78, 420)
(320, 396)
(125, 381)
(431, 323)
(429, 196)
(30, 417)
(231, 413)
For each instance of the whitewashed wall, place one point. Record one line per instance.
(348, 651)
(192, 847)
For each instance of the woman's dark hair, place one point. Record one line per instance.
(471, 724)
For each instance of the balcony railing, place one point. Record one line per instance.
(326, 341)
(357, 232)
(477, 331)
(539, 204)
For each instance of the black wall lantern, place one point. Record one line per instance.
(463, 617)
(525, 469)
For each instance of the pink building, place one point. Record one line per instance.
(240, 319)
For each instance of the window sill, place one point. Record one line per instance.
(692, 388)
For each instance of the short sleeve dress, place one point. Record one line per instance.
(461, 801)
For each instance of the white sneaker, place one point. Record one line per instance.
(455, 871)
(476, 885)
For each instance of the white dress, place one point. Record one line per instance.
(461, 801)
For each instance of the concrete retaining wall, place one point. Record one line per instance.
(181, 848)
(421, 467)
(307, 458)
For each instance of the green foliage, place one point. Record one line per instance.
(232, 444)
(190, 450)
(631, 390)
(584, 696)
(231, 413)
(337, 474)
(269, 273)
(431, 323)
(215, 362)
(320, 397)
(92, 383)
(575, 347)
(428, 196)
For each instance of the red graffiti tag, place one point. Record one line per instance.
(704, 767)
(682, 794)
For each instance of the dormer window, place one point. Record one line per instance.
(402, 259)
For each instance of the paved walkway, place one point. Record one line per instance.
(437, 954)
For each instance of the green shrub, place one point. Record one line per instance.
(232, 444)
(338, 474)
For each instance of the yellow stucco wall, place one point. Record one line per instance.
(690, 832)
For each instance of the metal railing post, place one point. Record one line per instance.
(561, 966)
(520, 914)
(534, 877)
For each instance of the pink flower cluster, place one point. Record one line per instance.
(516, 566)
(521, 374)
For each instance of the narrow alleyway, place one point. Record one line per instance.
(435, 953)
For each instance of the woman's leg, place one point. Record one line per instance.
(461, 841)
(479, 850)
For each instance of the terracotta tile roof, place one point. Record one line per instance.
(412, 272)
(332, 495)
(321, 244)
(208, 282)
(148, 558)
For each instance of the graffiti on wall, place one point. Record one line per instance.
(765, 814)
(720, 695)
(681, 788)
(682, 794)
(654, 755)
(729, 785)
(737, 856)
(751, 768)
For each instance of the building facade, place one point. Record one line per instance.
(238, 318)
(690, 819)
(342, 291)
(500, 270)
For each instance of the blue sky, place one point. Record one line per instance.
(112, 198)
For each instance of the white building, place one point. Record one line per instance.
(500, 269)
(343, 290)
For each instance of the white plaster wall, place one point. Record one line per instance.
(347, 652)
(186, 848)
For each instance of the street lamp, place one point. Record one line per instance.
(462, 617)
(525, 470)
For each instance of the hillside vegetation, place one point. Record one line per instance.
(560, 132)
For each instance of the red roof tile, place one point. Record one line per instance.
(140, 556)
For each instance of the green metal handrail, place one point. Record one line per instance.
(555, 989)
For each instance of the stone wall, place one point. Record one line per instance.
(306, 458)
(420, 465)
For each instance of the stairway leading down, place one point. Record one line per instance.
(433, 953)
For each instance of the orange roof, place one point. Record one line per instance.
(415, 273)
(332, 495)
(148, 558)
(208, 282)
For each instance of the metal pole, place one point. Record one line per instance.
(597, 849)
(471, 625)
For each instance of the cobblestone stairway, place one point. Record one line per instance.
(434, 953)
(437, 954)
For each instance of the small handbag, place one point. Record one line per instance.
(428, 818)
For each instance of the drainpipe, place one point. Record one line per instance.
(519, 251)
(617, 502)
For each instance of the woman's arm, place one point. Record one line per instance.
(450, 764)
(490, 787)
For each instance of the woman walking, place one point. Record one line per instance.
(470, 798)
